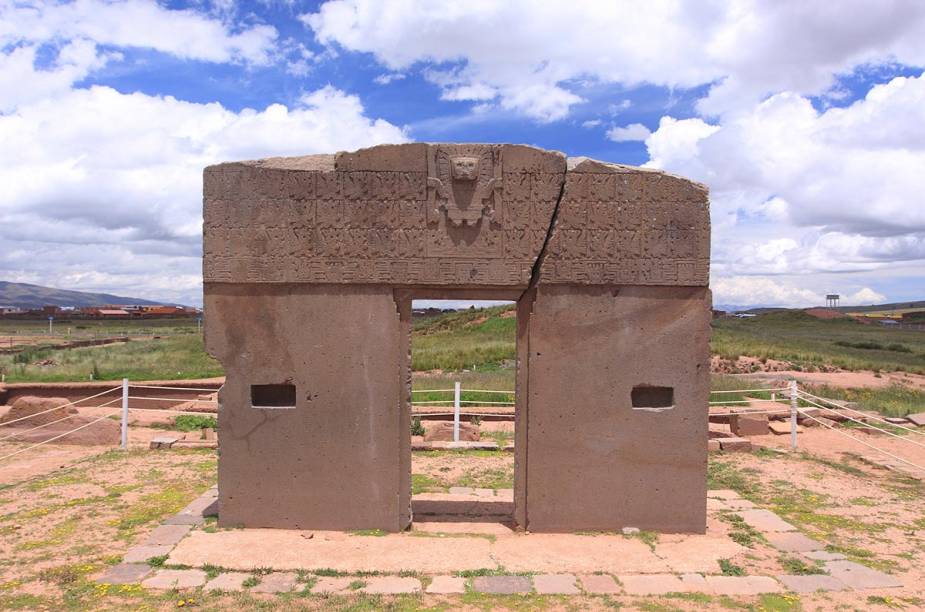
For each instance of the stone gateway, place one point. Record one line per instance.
(311, 263)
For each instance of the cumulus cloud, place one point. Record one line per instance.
(748, 290)
(628, 133)
(847, 180)
(135, 23)
(101, 176)
(745, 49)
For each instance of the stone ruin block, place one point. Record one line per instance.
(310, 266)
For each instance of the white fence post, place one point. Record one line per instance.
(456, 394)
(124, 413)
(793, 414)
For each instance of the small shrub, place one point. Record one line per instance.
(416, 428)
(728, 568)
(250, 581)
(193, 422)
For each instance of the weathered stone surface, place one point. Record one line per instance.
(823, 555)
(555, 584)
(502, 585)
(782, 428)
(332, 584)
(735, 445)
(166, 535)
(175, 579)
(162, 442)
(858, 576)
(749, 424)
(391, 585)
(579, 334)
(442, 431)
(765, 520)
(723, 494)
(812, 583)
(229, 581)
(742, 585)
(917, 419)
(446, 585)
(713, 445)
(125, 573)
(651, 584)
(276, 582)
(792, 541)
(140, 554)
(600, 584)
(310, 265)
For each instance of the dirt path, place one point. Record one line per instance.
(845, 380)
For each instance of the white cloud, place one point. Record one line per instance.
(389, 77)
(847, 181)
(101, 180)
(628, 133)
(746, 49)
(135, 23)
(749, 290)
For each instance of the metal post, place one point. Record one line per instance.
(793, 414)
(456, 394)
(124, 413)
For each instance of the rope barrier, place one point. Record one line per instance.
(879, 450)
(772, 390)
(59, 436)
(746, 401)
(70, 416)
(869, 416)
(889, 433)
(174, 388)
(75, 402)
(171, 399)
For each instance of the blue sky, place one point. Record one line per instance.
(806, 120)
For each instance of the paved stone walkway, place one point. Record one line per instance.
(554, 564)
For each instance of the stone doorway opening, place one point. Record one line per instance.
(463, 475)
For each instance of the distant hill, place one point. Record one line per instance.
(23, 295)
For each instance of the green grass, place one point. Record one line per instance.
(809, 342)
(168, 358)
(478, 340)
(894, 400)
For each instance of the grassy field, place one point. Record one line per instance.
(475, 346)
(807, 341)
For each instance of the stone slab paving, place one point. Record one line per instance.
(600, 584)
(722, 494)
(167, 535)
(229, 581)
(391, 585)
(858, 576)
(282, 549)
(792, 541)
(175, 578)
(742, 585)
(125, 573)
(739, 504)
(570, 553)
(765, 521)
(556, 584)
(502, 585)
(651, 584)
(140, 554)
(823, 555)
(277, 582)
(332, 584)
(445, 585)
(696, 553)
(462, 527)
(812, 583)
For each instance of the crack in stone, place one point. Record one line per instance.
(537, 265)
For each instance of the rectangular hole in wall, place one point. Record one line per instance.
(645, 396)
(273, 396)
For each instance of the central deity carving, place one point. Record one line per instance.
(462, 184)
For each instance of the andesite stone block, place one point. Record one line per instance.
(310, 265)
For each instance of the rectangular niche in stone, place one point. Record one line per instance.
(273, 396)
(646, 397)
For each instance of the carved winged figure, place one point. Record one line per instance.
(464, 186)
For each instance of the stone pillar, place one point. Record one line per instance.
(618, 385)
(311, 429)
